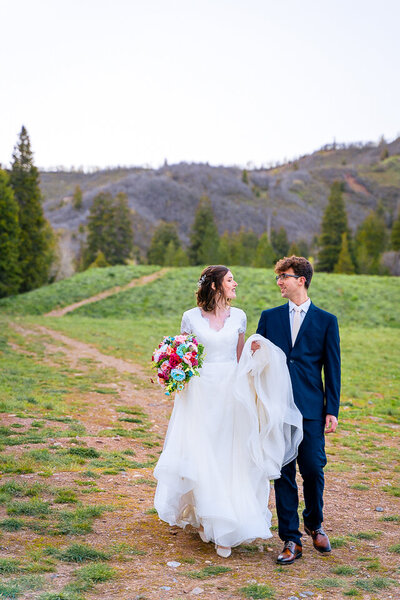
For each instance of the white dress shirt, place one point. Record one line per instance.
(303, 311)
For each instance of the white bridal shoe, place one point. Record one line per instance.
(224, 552)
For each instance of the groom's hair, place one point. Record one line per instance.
(300, 265)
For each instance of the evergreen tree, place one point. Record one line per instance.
(109, 230)
(371, 241)
(245, 176)
(10, 277)
(294, 249)
(99, 262)
(77, 198)
(34, 249)
(243, 247)
(99, 236)
(122, 232)
(303, 247)
(279, 242)
(334, 223)
(204, 238)
(164, 244)
(180, 258)
(395, 236)
(265, 255)
(225, 249)
(344, 263)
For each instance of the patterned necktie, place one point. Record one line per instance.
(296, 323)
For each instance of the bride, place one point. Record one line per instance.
(231, 429)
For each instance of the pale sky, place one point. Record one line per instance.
(135, 82)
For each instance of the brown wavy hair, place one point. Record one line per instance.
(206, 294)
(300, 265)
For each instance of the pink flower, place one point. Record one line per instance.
(180, 339)
(187, 358)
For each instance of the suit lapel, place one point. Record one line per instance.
(286, 323)
(304, 324)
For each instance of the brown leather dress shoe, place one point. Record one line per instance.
(290, 552)
(320, 539)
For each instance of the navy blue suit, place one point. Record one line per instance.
(317, 347)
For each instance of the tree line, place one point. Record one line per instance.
(110, 239)
(28, 246)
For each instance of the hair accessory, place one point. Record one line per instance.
(201, 281)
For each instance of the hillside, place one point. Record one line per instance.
(292, 195)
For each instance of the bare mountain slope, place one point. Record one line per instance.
(293, 195)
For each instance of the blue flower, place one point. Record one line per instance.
(177, 374)
(181, 350)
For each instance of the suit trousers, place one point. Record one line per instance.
(311, 461)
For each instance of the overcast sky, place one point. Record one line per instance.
(135, 82)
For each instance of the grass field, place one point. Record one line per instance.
(78, 443)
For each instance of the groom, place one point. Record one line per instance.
(309, 337)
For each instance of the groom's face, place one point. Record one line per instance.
(289, 286)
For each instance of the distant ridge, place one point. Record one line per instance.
(292, 195)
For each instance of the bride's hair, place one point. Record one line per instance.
(207, 294)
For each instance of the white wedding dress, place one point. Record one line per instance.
(230, 432)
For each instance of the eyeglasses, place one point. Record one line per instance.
(286, 275)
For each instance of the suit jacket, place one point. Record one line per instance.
(317, 347)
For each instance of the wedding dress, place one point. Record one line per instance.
(231, 431)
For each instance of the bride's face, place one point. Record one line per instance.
(229, 286)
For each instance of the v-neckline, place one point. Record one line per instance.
(208, 321)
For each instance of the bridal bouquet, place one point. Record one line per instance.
(177, 359)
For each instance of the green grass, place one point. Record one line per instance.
(208, 571)
(76, 288)
(78, 553)
(374, 584)
(258, 590)
(395, 548)
(344, 570)
(9, 565)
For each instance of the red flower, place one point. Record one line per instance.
(174, 360)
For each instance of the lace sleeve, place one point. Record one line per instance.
(243, 322)
(185, 325)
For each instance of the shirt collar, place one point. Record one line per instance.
(304, 307)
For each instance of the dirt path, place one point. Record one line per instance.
(77, 350)
(60, 312)
(148, 577)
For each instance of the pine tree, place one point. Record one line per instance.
(164, 244)
(99, 228)
(334, 223)
(99, 262)
(371, 241)
(225, 249)
(243, 247)
(10, 277)
(122, 233)
(395, 236)
(77, 198)
(279, 242)
(204, 238)
(34, 243)
(344, 263)
(265, 255)
(109, 230)
(294, 249)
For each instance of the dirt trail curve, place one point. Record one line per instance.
(60, 312)
(82, 350)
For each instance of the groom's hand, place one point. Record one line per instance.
(255, 346)
(331, 423)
